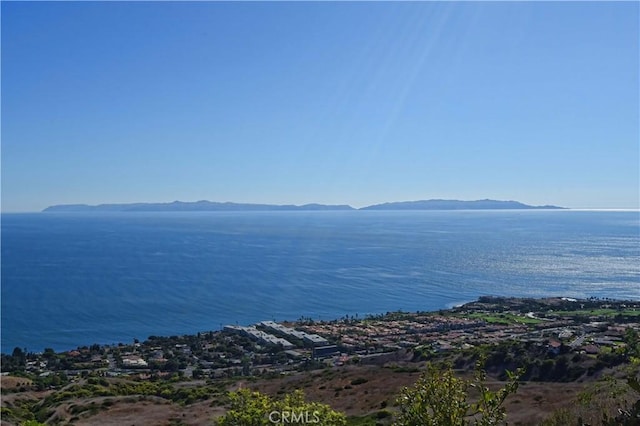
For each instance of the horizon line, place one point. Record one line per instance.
(357, 207)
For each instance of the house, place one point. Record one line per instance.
(133, 361)
(554, 346)
(590, 349)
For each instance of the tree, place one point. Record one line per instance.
(49, 353)
(18, 353)
(249, 408)
(172, 365)
(632, 341)
(439, 398)
(198, 373)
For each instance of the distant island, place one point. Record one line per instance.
(456, 205)
(204, 205)
(180, 206)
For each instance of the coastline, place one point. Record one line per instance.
(357, 365)
(507, 301)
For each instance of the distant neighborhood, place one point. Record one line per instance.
(357, 364)
(592, 328)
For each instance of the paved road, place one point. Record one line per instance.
(578, 342)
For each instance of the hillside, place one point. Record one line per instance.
(572, 351)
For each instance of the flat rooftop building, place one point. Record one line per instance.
(316, 340)
(312, 339)
(325, 351)
(258, 335)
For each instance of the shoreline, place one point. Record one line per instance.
(558, 344)
(453, 306)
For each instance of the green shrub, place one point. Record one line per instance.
(439, 398)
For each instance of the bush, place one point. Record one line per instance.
(255, 409)
(440, 399)
(382, 414)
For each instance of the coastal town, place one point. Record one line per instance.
(587, 326)
(555, 339)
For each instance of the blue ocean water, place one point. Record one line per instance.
(76, 279)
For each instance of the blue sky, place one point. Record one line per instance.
(339, 103)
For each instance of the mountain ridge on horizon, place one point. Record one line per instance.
(204, 205)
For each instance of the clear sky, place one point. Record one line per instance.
(338, 103)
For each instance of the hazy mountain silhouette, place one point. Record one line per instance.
(228, 206)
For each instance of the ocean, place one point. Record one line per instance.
(78, 279)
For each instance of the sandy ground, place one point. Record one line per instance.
(153, 413)
(337, 387)
(11, 382)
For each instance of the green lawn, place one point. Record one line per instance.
(505, 318)
(599, 312)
